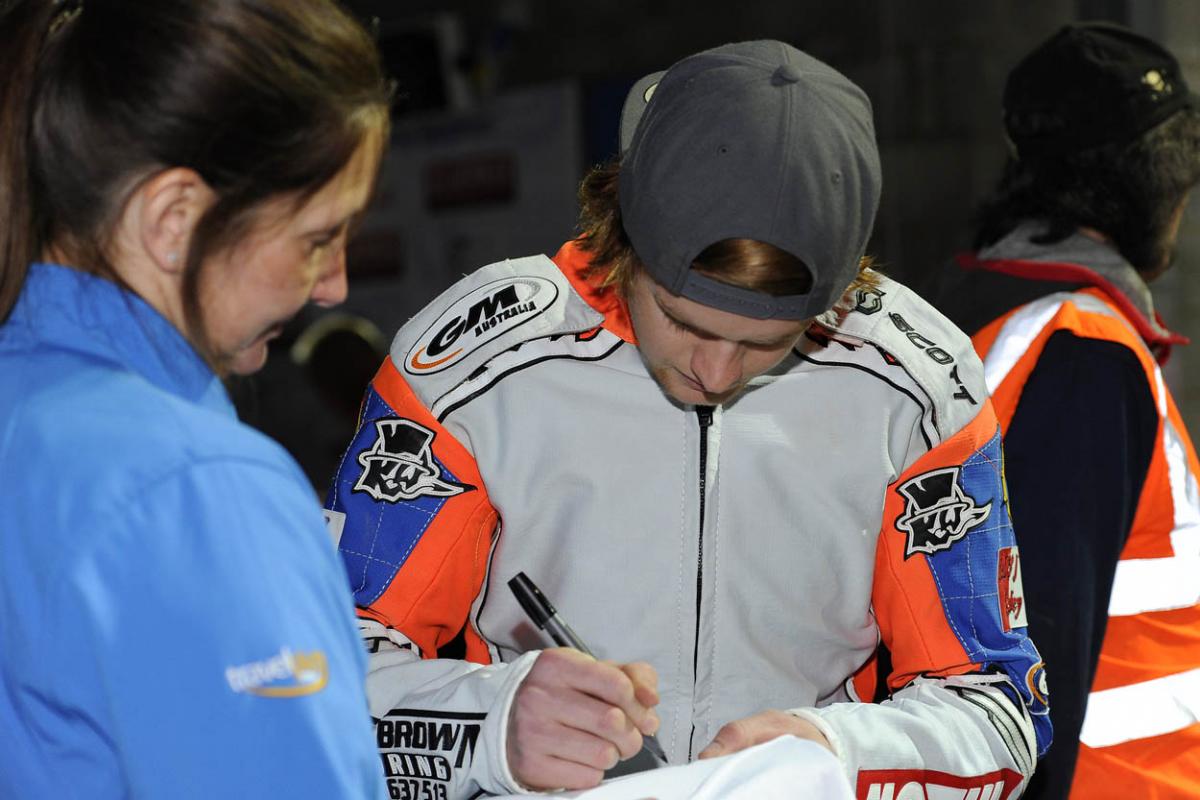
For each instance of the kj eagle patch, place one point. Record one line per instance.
(400, 465)
(937, 511)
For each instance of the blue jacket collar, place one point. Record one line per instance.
(85, 313)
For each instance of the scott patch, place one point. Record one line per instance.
(935, 352)
(937, 511)
(476, 319)
(400, 466)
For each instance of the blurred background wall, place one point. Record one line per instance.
(504, 104)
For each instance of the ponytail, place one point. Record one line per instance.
(263, 99)
(23, 27)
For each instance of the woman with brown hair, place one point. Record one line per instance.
(176, 181)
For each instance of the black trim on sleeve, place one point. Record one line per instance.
(518, 368)
(1009, 720)
(889, 382)
(431, 713)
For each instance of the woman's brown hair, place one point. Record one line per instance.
(262, 98)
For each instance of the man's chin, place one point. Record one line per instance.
(684, 392)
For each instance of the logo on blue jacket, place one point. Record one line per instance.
(287, 674)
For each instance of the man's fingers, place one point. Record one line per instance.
(541, 771)
(610, 683)
(573, 717)
(645, 684)
(606, 724)
(732, 737)
(560, 742)
(759, 728)
(543, 752)
(550, 752)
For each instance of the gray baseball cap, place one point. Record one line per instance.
(753, 140)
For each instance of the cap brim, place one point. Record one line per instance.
(635, 105)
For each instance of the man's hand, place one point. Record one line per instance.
(574, 717)
(759, 728)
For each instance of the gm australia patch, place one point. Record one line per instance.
(937, 512)
(400, 466)
(476, 319)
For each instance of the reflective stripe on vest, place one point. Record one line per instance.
(1015, 338)
(1160, 584)
(1151, 708)
(1160, 705)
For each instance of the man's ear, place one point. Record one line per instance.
(167, 209)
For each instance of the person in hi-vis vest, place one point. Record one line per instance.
(1101, 471)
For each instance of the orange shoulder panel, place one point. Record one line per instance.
(430, 598)
(907, 603)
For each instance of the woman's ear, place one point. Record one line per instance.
(166, 210)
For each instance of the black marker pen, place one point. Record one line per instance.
(543, 614)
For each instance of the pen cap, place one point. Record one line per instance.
(531, 599)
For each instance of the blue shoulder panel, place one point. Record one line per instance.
(979, 581)
(390, 487)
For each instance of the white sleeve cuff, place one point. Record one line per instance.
(835, 741)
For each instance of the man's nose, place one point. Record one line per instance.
(717, 364)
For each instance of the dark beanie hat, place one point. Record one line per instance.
(1091, 84)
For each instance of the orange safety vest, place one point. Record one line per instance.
(1141, 731)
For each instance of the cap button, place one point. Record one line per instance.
(785, 74)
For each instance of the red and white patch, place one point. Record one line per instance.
(1012, 593)
(924, 784)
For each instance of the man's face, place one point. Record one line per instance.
(701, 355)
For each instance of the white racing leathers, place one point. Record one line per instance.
(834, 542)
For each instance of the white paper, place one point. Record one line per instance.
(781, 769)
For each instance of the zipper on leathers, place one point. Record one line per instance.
(704, 415)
